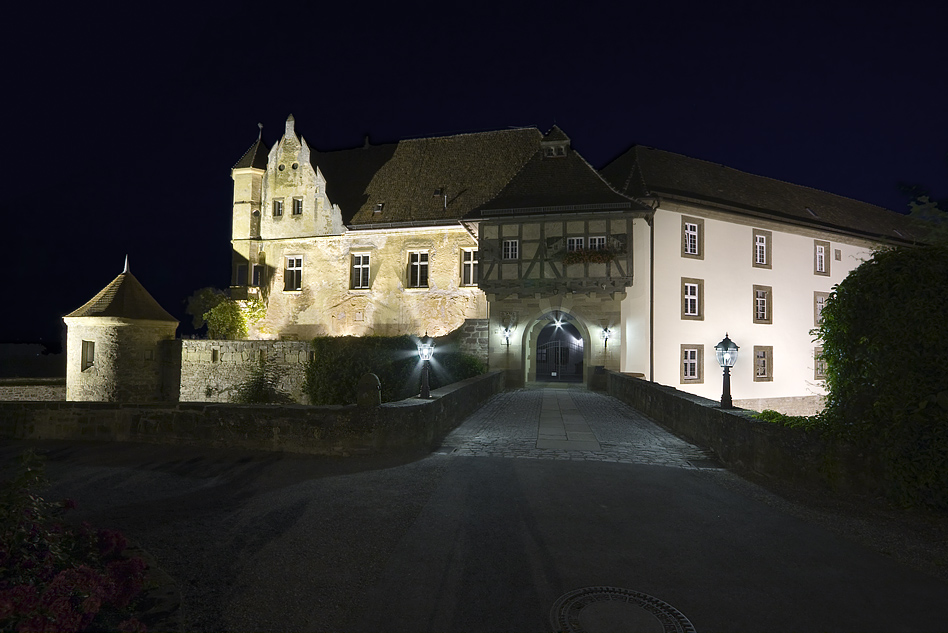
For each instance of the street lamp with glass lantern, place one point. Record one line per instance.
(726, 352)
(425, 352)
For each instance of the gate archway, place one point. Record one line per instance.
(557, 349)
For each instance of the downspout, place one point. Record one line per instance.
(651, 298)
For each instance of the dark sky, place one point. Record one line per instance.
(123, 124)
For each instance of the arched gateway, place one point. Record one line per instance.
(557, 349)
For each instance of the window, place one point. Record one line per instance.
(692, 364)
(821, 262)
(277, 208)
(763, 363)
(256, 278)
(240, 275)
(819, 302)
(379, 206)
(597, 243)
(692, 237)
(297, 206)
(511, 249)
(293, 277)
(838, 255)
(574, 244)
(819, 364)
(360, 271)
(88, 354)
(468, 267)
(418, 269)
(763, 304)
(762, 240)
(692, 299)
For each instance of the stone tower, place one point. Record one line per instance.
(112, 344)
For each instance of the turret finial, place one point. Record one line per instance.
(260, 133)
(126, 265)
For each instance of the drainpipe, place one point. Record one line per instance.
(651, 298)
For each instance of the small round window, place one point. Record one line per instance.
(295, 165)
(282, 167)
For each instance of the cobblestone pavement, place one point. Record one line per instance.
(507, 426)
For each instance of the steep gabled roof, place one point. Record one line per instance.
(557, 184)
(125, 297)
(255, 157)
(428, 180)
(644, 171)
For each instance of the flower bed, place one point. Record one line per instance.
(57, 577)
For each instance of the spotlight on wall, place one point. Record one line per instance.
(507, 333)
(605, 335)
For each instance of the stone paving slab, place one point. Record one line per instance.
(595, 427)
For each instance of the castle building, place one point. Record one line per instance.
(642, 267)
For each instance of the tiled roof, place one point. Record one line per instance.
(124, 298)
(557, 184)
(411, 178)
(255, 157)
(644, 171)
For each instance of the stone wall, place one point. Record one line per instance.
(742, 442)
(408, 425)
(799, 405)
(211, 370)
(32, 389)
(473, 338)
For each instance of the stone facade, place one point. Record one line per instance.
(32, 389)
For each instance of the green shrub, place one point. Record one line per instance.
(262, 387)
(885, 343)
(333, 375)
(807, 422)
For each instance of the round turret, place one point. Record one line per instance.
(113, 344)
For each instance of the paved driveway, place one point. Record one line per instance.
(548, 530)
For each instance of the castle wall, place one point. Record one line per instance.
(211, 371)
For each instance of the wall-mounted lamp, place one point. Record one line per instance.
(507, 333)
(605, 334)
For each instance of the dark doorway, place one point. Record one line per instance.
(559, 353)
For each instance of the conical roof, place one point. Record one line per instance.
(256, 156)
(124, 298)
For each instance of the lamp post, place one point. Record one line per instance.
(726, 352)
(425, 351)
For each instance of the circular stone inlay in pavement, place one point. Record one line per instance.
(616, 610)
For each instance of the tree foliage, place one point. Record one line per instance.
(885, 343)
(225, 318)
(262, 387)
(333, 375)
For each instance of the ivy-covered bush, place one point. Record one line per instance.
(332, 377)
(884, 334)
(57, 577)
(262, 387)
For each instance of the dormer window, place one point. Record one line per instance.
(555, 151)
(561, 151)
(378, 207)
(439, 192)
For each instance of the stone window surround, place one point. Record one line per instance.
(825, 258)
(819, 365)
(699, 240)
(768, 357)
(767, 244)
(685, 282)
(768, 305)
(297, 206)
(360, 271)
(278, 207)
(699, 364)
(817, 309)
(292, 263)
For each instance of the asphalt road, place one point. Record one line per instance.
(446, 542)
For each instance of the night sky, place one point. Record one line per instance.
(123, 124)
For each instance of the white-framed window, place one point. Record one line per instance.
(821, 262)
(763, 363)
(692, 359)
(692, 237)
(277, 208)
(297, 206)
(418, 269)
(88, 354)
(597, 243)
(574, 244)
(763, 305)
(360, 270)
(511, 249)
(293, 273)
(468, 267)
(819, 302)
(692, 299)
(760, 249)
